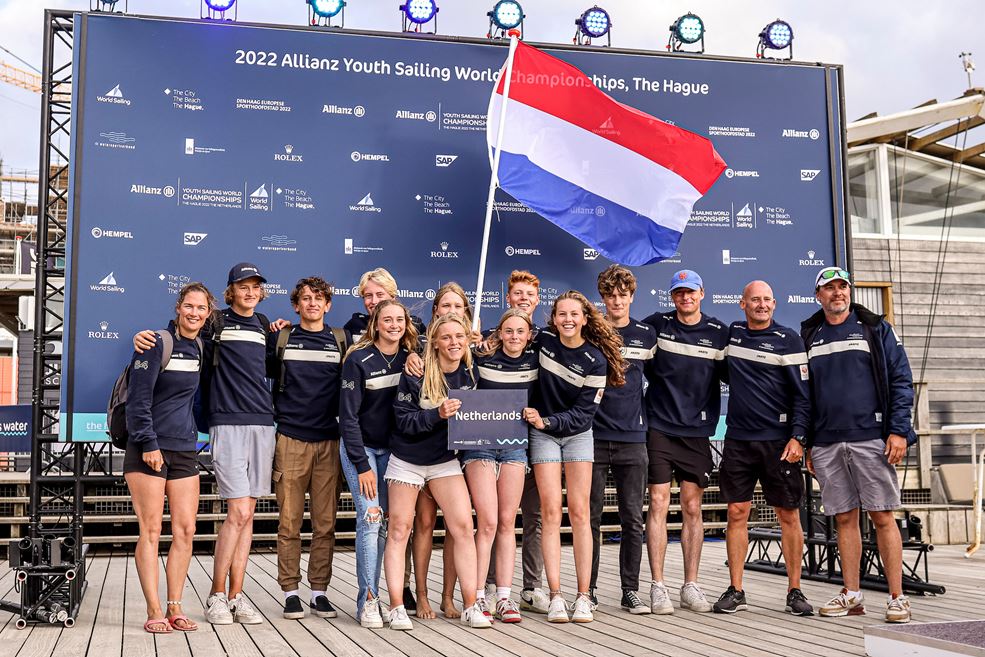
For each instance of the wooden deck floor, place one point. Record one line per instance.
(110, 623)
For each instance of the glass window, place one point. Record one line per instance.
(863, 192)
(921, 189)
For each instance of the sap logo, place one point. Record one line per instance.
(288, 155)
(444, 252)
(193, 239)
(590, 254)
(811, 261)
(807, 175)
(741, 173)
(444, 160)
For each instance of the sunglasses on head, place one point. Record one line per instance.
(835, 273)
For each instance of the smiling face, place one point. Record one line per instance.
(450, 343)
(758, 304)
(391, 324)
(312, 305)
(687, 302)
(192, 313)
(515, 335)
(246, 295)
(835, 297)
(523, 296)
(450, 302)
(569, 318)
(373, 293)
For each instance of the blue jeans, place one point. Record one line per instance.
(370, 536)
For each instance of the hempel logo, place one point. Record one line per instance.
(740, 173)
(99, 233)
(369, 157)
(518, 251)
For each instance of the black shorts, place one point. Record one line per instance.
(744, 462)
(177, 465)
(683, 459)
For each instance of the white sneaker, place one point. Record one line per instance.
(557, 612)
(693, 598)
(534, 600)
(659, 600)
(491, 592)
(370, 617)
(583, 609)
(475, 617)
(399, 620)
(218, 610)
(898, 610)
(243, 612)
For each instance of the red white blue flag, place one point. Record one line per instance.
(620, 180)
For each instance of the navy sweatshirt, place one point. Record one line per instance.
(684, 395)
(498, 371)
(422, 436)
(369, 388)
(307, 407)
(159, 403)
(238, 390)
(847, 408)
(620, 417)
(570, 385)
(357, 324)
(769, 396)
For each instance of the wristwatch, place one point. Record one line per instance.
(800, 438)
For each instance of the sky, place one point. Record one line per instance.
(897, 54)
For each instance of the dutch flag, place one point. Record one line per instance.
(620, 180)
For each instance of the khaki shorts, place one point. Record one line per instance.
(854, 475)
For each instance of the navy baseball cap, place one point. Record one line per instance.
(686, 278)
(244, 270)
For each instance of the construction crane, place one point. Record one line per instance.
(19, 77)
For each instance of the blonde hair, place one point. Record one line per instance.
(381, 277)
(230, 293)
(435, 386)
(458, 290)
(495, 339)
(409, 339)
(601, 334)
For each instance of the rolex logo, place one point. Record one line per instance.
(444, 246)
(103, 325)
(811, 254)
(289, 148)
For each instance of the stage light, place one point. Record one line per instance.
(217, 9)
(506, 15)
(321, 12)
(594, 23)
(778, 35)
(689, 29)
(326, 8)
(106, 5)
(420, 11)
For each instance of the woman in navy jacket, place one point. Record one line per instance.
(161, 456)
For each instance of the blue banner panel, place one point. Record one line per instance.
(15, 428)
(199, 145)
(488, 419)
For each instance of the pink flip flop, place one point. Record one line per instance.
(181, 617)
(157, 621)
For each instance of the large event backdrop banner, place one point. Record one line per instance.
(198, 145)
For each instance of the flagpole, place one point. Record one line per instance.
(494, 178)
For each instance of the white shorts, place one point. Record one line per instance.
(418, 475)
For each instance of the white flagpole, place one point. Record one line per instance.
(494, 179)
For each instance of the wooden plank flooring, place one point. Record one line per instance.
(112, 615)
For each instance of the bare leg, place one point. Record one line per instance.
(890, 544)
(656, 529)
(792, 538)
(849, 548)
(549, 484)
(737, 540)
(147, 494)
(237, 517)
(510, 490)
(402, 498)
(245, 507)
(183, 502)
(449, 575)
(427, 515)
(578, 478)
(693, 532)
(452, 496)
(481, 479)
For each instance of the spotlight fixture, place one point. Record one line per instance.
(506, 15)
(416, 13)
(321, 12)
(106, 5)
(689, 29)
(593, 24)
(217, 9)
(778, 35)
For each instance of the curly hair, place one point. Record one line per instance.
(495, 339)
(315, 284)
(522, 276)
(600, 333)
(409, 339)
(435, 386)
(616, 277)
(454, 287)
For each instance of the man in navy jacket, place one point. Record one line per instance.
(862, 400)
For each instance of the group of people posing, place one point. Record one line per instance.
(302, 405)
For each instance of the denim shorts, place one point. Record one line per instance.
(545, 448)
(417, 475)
(498, 456)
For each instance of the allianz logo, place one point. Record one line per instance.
(358, 111)
(429, 116)
(813, 133)
(149, 190)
